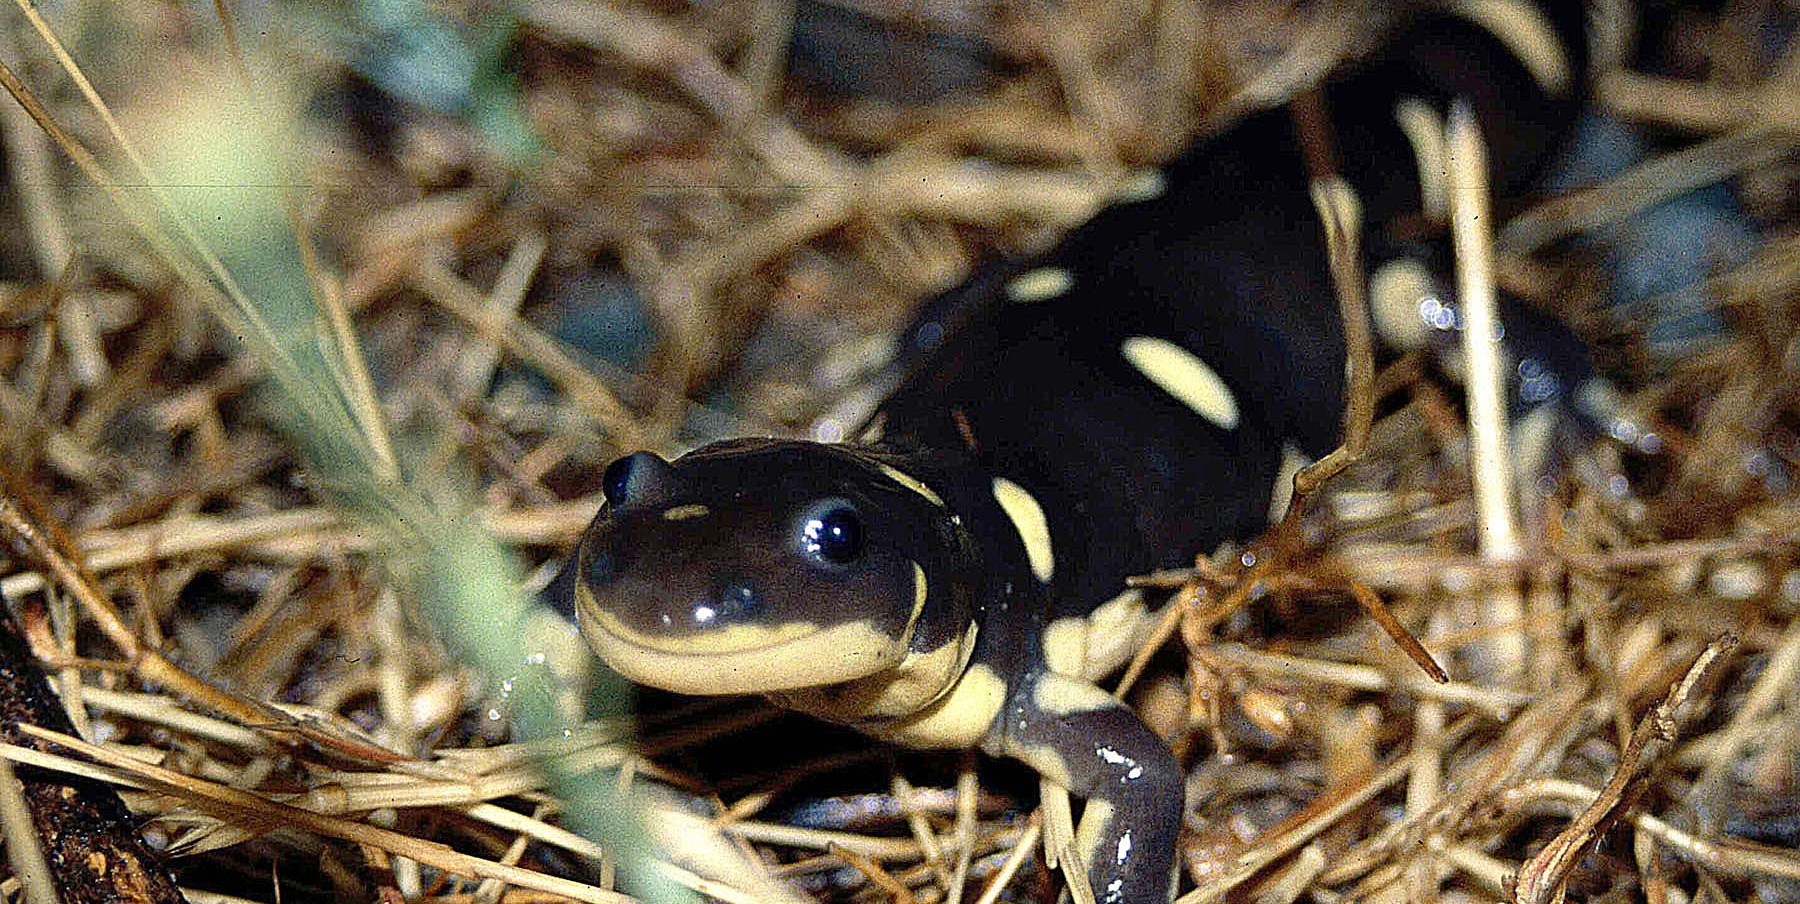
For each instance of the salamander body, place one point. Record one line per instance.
(955, 578)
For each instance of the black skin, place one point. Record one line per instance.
(1228, 264)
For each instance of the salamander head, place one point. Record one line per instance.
(751, 566)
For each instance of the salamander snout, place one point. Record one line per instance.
(736, 601)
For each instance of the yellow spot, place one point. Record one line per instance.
(1143, 185)
(1065, 645)
(912, 483)
(684, 512)
(958, 719)
(1395, 291)
(1115, 629)
(1059, 695)
(1041, 284)
(1028, 519)
(1177, 372)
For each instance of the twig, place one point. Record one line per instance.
(1775, 682)
(1340, 212)
(34, 180)
(1332, 805)
(1027, 843)
(533, 347)
(217, 286)
(765, 58)
(646, 41)
(1737, 858)
(1545, 876)
(239, 805)
(82, 835)
(1645, 186)
(1496, 703)
(880, 877)
(151, 665)
(1471, 224)
(476, 370)
(23, 852)
(241, 306)
(968, 790)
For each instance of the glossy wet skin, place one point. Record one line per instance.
(895, 593)
(1037, 460)
(752, 567)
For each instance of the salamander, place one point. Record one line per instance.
(955, 576)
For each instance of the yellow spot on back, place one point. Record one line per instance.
(1060, 695)
(1028, 519)
(912, 483)
(684, 512)
(1065, 645)
(1041, 284)
(1395, 291)
(1177, 372)
(1144, 185)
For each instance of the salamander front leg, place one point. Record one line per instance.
(1083, 738)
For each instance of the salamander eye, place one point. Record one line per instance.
(614, 481)
(832, 533)
(638, 479)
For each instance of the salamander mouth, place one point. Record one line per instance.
(748, 659)
(734, 661)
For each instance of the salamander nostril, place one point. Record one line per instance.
(597, 568)
(735, 602)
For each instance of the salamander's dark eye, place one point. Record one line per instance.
(638, 479)
(615, 480)
(832, 533)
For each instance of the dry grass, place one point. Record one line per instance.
(275, 703)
